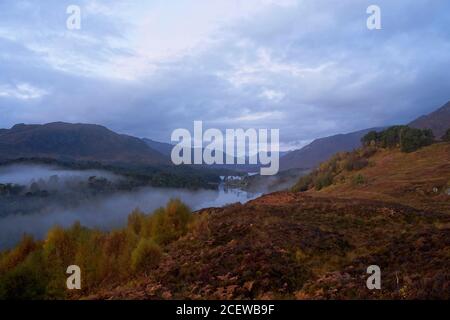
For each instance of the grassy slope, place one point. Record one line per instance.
(406, 178)
(318, 244)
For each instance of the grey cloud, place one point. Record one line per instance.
(329, 72)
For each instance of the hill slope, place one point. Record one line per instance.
(161, 147)
(420, 179)
(294, 246)
(321, 149)
(438, 121)
(75, 142)
(317, 244)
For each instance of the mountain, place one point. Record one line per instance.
(316, 244)
(161, 147)
(321, 149)
(68, 141)
(166, 149)
(438, 121)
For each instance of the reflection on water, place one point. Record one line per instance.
(226, 196)
(111, 211)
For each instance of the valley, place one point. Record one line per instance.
(151, 230)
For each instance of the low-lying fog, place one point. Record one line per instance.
(105, 212)
(25, 174)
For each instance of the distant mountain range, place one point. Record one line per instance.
(438, 121)
(88, 142)
(161, 147)
(67, 141)
(323, 148)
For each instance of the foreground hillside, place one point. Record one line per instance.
(290, 245)
(318, 244)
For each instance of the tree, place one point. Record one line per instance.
(323, 180)
(146, 256)
(17, 255)
(413, 139)
(408, 139)
(369, 138)
(27, 281)
(136, 221)
(171, 222)
(446, 136)
(390, 138)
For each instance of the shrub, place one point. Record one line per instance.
(171, 222)
(355, 163)
(359, 179)
(323, 180)
(17, 255)
(368, 152)
(303, 184)
(329, 172)
(300, 256)
(146, 256)
(446, 136)
(200, 225)
(37, 270)
(136, 221)
(26, 281)
(59, 247)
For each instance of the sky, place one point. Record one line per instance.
(310, 68)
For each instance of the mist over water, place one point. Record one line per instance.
(104, 212)
(24, 174)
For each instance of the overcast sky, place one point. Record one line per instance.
(309, 67)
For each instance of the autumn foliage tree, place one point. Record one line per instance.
(37, 269)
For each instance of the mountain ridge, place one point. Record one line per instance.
(61, 140)
(322, 148)
(438, 121)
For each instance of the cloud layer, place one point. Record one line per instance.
(310, 67)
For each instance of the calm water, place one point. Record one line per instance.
(105, 213)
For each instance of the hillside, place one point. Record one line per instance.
(438, 121)
(294, 246)
(321, 149)
(391, 210)
(318, 244)
(67, 141)
(161, 147)
(420, 179)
